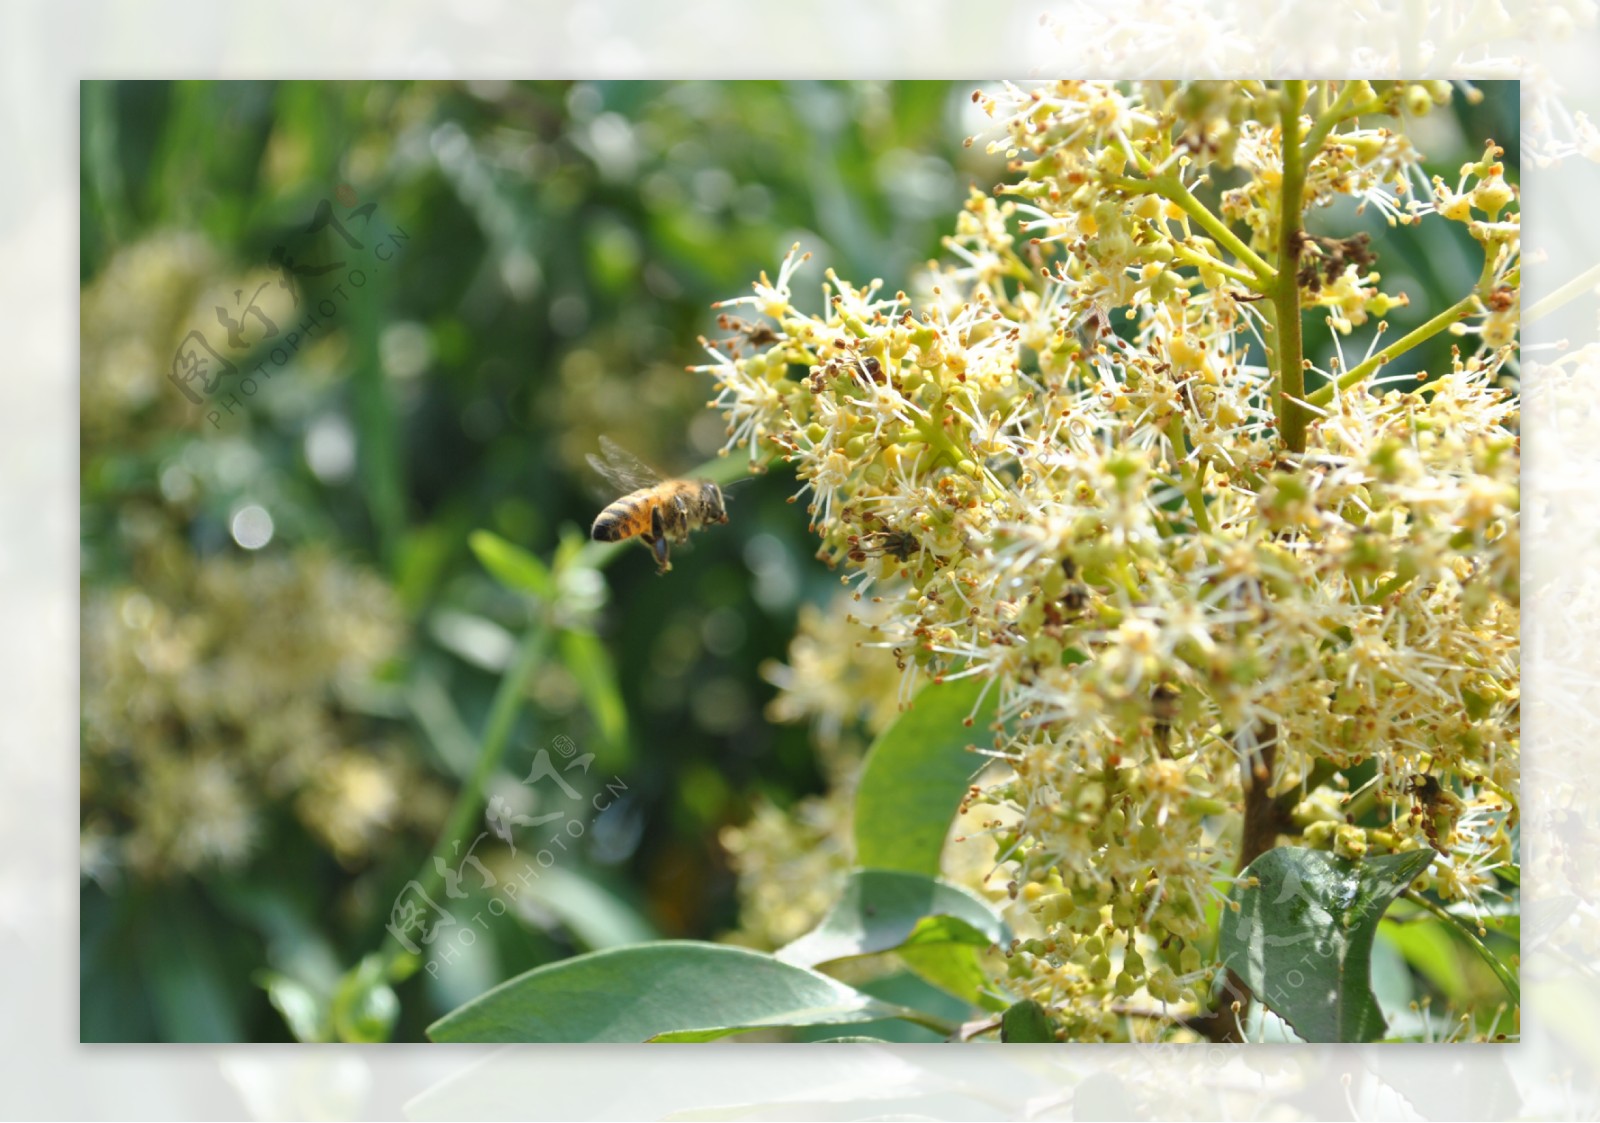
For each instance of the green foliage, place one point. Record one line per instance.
(939, 931)
(361, 1006)
(916, 775)
(588, 661)
(1301, 938)
(883, 911)
(512, 566)
(682, 991)
(1026, 1023)
(673, 991)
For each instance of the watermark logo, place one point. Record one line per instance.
(417, 920)
(308, 296)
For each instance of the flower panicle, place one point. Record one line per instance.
(1056, 466)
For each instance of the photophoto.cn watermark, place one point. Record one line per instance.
(419, 922)
(319, 269)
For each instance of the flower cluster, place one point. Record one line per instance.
(180, 771)
(790, 865)
(1071, 466)
(217, 686)
(836, 679)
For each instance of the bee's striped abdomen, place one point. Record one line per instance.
(625, 518)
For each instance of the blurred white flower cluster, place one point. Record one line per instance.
(218, 689)
(1082, 465)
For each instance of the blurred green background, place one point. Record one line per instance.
(289, 649)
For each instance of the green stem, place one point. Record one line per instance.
(934, 435)
(1326, 120)
(1457, 311)
(1193, 487)
(503, 712)
(1290, 387)
(1501, 971)
(1168, 187)
(947, 1029)
(1358, 806)
(1511, 800)
(1199, 260)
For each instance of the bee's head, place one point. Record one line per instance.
(711, 500)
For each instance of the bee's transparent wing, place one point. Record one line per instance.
(621, 469)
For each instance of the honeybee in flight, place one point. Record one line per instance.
(655, 510)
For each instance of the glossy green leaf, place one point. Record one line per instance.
(915, 776)
(668, 991)
(952, 965)
(881, 910)
(1301, 938)
(938, 930)
(1391, 980)
(1026, 1023)
(511, 565)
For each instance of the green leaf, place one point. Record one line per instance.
(380, 460)
(595, 916)
(1391, 980)
(436, 713)
(1302, 936)
(300, 1007)
(1428, 947)
(936, 929)
(364, 1006)
(590, 664)
(915, 776)
(1026, 1023)
(675, 990)
(477, 639)
(904, 989)
(195, 994)
(880, 910)
(511, 565)
(953, 966)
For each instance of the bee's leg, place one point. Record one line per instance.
(658, 540)
(681, 507)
